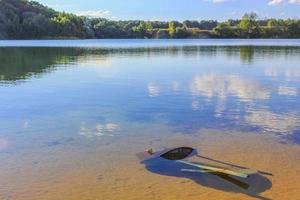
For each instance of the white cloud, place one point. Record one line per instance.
(294, 1)
(275, 2)
(217, 1)
(94, 13)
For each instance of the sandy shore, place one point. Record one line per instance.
(99, 170)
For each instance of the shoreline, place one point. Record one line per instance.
(149, 43)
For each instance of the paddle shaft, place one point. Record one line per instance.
(215, 169)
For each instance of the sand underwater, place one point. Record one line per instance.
(111, 170)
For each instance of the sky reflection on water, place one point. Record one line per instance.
(97, 92)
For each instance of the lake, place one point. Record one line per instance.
(74, 114)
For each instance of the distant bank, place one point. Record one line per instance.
(158, 44)
(23, 19)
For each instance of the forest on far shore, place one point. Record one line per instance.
(23, 19)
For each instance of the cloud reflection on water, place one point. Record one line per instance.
(222, 86)
(153, 90)
(240, 101)
(109, 129)
(281, 124)
(290, 73)
(287, 91)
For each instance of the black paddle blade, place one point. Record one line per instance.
(178, 153)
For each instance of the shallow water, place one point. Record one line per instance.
(73, 118)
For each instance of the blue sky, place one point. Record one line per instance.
(177, 9)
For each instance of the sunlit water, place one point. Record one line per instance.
(70, 116)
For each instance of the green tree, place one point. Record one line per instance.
(292, 28)
(208, 24)
(35, 25)
(29, 19)
(250, 25)
(181, 32)
(145, 29)
(172, 29)
(224, 30)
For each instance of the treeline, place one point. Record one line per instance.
(251, 27)
(22, 19)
